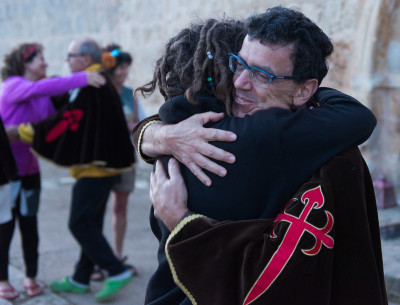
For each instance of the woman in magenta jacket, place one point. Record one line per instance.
(25, 97)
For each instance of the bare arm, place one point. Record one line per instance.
(188, 141)
(168, 195)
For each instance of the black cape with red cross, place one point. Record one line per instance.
(323, 249)
(89, 130)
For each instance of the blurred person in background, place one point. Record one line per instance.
(88, 134)
(25, 97)
(119, 63)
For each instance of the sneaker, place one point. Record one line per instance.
(65, 285)
(111, 287)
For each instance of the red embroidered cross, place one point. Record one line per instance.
(312, 199)
(70, 121)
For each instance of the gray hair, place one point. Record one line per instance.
(91, 48)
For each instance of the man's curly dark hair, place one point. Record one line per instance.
(284, 26)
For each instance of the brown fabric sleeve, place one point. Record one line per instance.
(137, 133)
(202, 251)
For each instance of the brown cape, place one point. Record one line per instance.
(323, 249)
(89, 130)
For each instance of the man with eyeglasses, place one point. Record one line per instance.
(284, 55)
(80, 136)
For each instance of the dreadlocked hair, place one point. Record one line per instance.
(174, 69)
(212, 75)
(184, 67)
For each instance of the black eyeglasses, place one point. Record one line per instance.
(71, 55)
(258, 76)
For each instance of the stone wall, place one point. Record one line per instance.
(365, 64)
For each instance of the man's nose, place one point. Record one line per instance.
(243, 81)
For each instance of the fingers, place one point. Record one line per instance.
(220, 135)
(205, 156)
(198, 172)
(200, 163)
(214, 134)
(156, 179)
(160, 172)
(211, 151)
(95, 79)
(174, 171)
(99, 81)
(168, 196)
(197, 162)
(188, 141)
(208, 117)
(211, 166)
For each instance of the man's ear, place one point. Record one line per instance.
(304, 92)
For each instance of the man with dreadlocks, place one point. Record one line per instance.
(276, 151)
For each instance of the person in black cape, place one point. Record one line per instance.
(276, 150)
(88, 134)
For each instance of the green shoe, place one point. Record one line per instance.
(110, 288)
(65, 285)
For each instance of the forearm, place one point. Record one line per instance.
(153, 139)
(345, 118)
(20, 90)
(137, 136)
(172, 217)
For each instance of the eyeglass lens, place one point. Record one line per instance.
(259, 78)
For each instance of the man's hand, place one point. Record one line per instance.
(12, 133)
(95, 79)
(188, 141)
(169, 196)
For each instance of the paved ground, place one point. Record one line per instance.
(59, 251)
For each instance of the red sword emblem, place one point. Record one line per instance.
(312, 199)
(70, 121)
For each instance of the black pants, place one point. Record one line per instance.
(29, 233)
(89, 198)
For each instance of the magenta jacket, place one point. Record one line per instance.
(23, 101)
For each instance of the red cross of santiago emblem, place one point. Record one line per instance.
(70, 121)
(312, 199)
